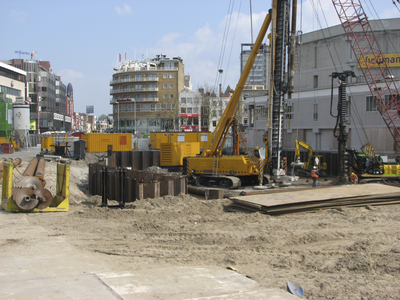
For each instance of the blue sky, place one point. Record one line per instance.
(82, 39)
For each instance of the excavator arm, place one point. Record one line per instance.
(304, 145)
(217, 141)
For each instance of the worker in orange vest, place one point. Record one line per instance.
(314, 176)
(353, 178)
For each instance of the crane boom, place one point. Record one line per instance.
(218, 137)
(381, 84)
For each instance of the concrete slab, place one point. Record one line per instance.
(58, 288)
(180, 283)
(36, 265)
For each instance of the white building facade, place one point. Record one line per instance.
(309, 114)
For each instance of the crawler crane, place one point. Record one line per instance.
(211, 168)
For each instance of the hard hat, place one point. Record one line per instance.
(314, 167)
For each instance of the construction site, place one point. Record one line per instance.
(193, 218)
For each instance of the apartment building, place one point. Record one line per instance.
(12, 81)
(258, 77)
(46, 94)
(190, 110)
(145, 94)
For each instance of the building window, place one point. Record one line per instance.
(189, 110)
(183, 100)
(205, 122)
(315, 81)
(195, 110)
(371, 104)
(183, 110)
(165, 75)
(245, 121)
(165, 96)
(195, 100)
(165, 86)
(214, 123)
(138, 77)
(289, 112)
(171, 96)
(315, 112)
(171, 75)
(171, 86)
(315, 57)
(389, 102)
(11, 91)
(189, 100)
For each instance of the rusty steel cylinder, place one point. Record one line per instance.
(30, 169)
(39, 173)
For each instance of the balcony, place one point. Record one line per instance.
(132, 90)
(143, 79)
(131, 100)
(151, 68)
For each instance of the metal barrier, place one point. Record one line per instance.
(124, 184)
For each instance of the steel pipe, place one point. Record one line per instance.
(30, 169)
(39, 173)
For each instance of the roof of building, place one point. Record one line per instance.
(13, 69)
(70, 89)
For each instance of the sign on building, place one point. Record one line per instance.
(90, 109)
(372, 61)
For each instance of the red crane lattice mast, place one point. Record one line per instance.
(379, 79)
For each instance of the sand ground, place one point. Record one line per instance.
(344, 253)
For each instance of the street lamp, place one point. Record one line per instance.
(118, 115)
(134, 101)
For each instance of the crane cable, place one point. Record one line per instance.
(224, 42)
(233, 40)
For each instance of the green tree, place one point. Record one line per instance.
(102, 117)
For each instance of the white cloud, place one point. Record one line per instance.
(124, 10)
(69, 76)
(19, 16)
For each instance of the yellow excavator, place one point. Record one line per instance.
(211, 168)
(312, 160)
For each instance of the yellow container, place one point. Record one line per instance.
(98, 142)
(172, 154)
(46, 143)
(157, 138)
